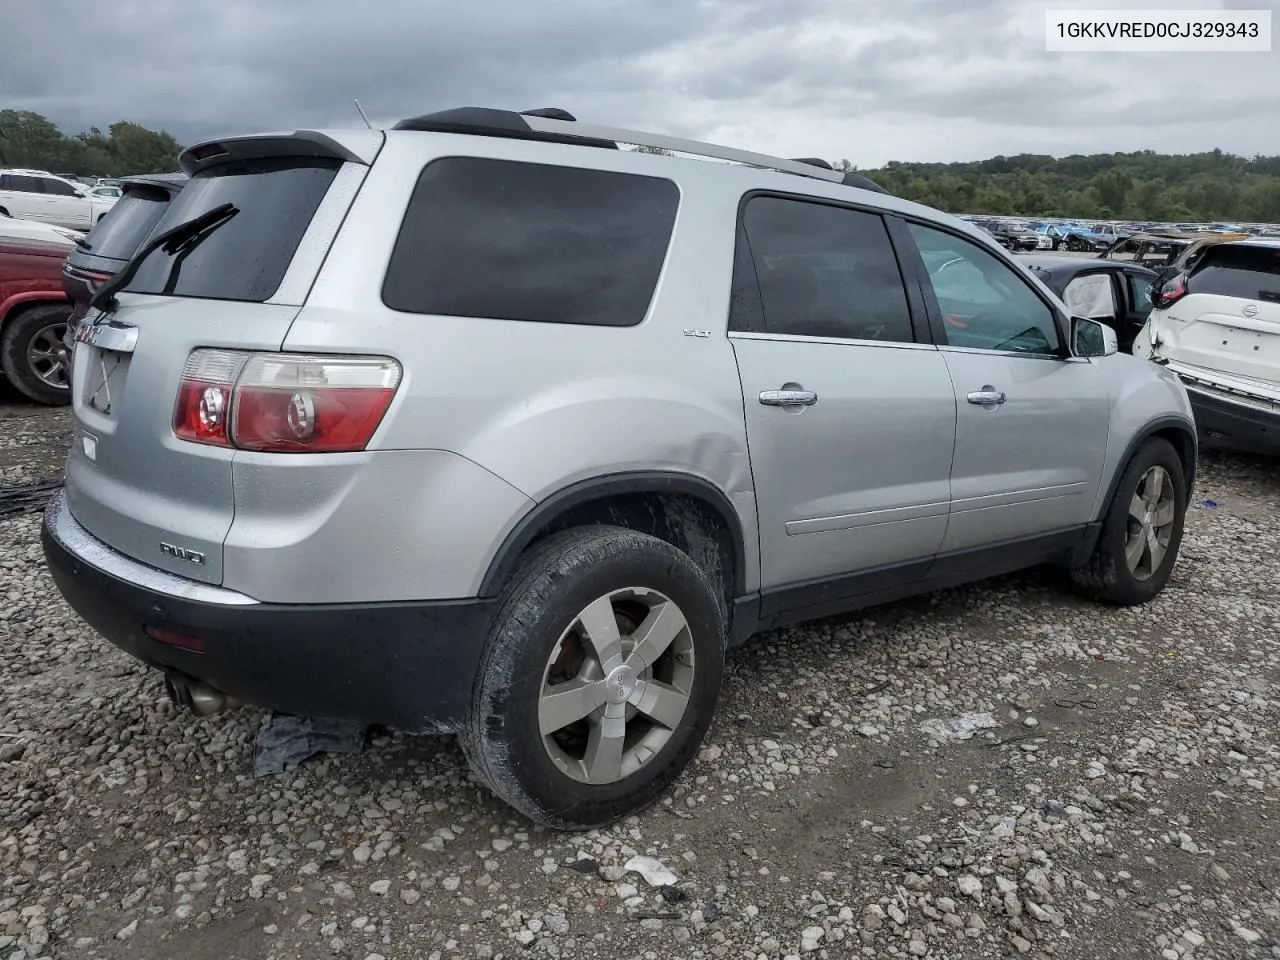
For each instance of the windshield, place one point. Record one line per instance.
(247, 256)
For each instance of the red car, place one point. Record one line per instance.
(34, 311)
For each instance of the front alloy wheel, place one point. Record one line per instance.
(1152, 512)
(1137, 546)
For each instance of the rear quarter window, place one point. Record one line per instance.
(508, 240)
(246, 256)
(1250, 273)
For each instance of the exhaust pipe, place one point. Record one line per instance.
(196, 696)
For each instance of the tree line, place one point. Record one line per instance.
(30, 140)
(1199, 187)
(1146, 185)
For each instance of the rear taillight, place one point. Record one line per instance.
(1173, 291)
(284, 403)
(204, 396)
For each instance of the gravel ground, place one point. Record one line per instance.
(1112, 791)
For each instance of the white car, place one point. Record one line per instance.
(13, 228)
(42, 196)
(1217, 326)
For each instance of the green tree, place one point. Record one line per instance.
(29, 140)
(139, 150)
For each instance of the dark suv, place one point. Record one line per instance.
(116, 238)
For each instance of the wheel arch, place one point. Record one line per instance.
(1178, 432)
(686, 510)
(21, 301)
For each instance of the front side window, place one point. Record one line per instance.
(821, 271)
(507, 240)
(58, 189)
(983, 302)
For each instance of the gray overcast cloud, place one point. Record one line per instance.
(870, 80)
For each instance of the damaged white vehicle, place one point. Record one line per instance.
(1217, 326)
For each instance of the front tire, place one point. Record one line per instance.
(1141, 532)
(599, 677)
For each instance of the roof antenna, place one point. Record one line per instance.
(363, 116)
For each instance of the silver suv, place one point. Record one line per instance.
(483, 424)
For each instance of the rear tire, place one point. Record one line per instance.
(33, 352)
(567, 626)
(1124, 568)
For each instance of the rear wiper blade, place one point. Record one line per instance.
(172, 240)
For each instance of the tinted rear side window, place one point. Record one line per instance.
(1252, 273)
(120, 233)
(246, 257)
(528, 241)
(821, 271)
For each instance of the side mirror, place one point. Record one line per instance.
(1089, 338)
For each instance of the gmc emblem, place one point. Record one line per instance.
(181, 553)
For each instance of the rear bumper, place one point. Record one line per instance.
(406, 665)
(1228, 424)
(1231, 413)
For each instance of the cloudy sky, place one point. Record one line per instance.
(867, 80)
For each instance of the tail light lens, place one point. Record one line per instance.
(1173, 291)
(312, 404)
(204, 396)
(284, 403)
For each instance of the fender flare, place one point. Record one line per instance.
(547, 510)
(1149, 429)
(33, 296)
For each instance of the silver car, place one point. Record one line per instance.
(483, 425)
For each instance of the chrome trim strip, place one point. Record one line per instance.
(1019, 497)
(1234, 387)
(871, 518)
(982, 351)
(838, 341)
(88, 549)
(112, 335)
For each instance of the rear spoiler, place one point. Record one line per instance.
(355, 146)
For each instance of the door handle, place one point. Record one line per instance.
(987, 396)
(787, 398)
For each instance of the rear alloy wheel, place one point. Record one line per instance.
(34, 355)
(599, 678)
(1142, 530)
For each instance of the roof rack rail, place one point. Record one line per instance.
(863, 183)
(488, 122)
(551, 113)
(559, 126)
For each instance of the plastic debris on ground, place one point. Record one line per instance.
(654, 873)
(960, 727)
(1208, 504)
(285, 741)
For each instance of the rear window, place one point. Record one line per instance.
(246, 256)
(120, 232)
(527, 241)
(1251, 273)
